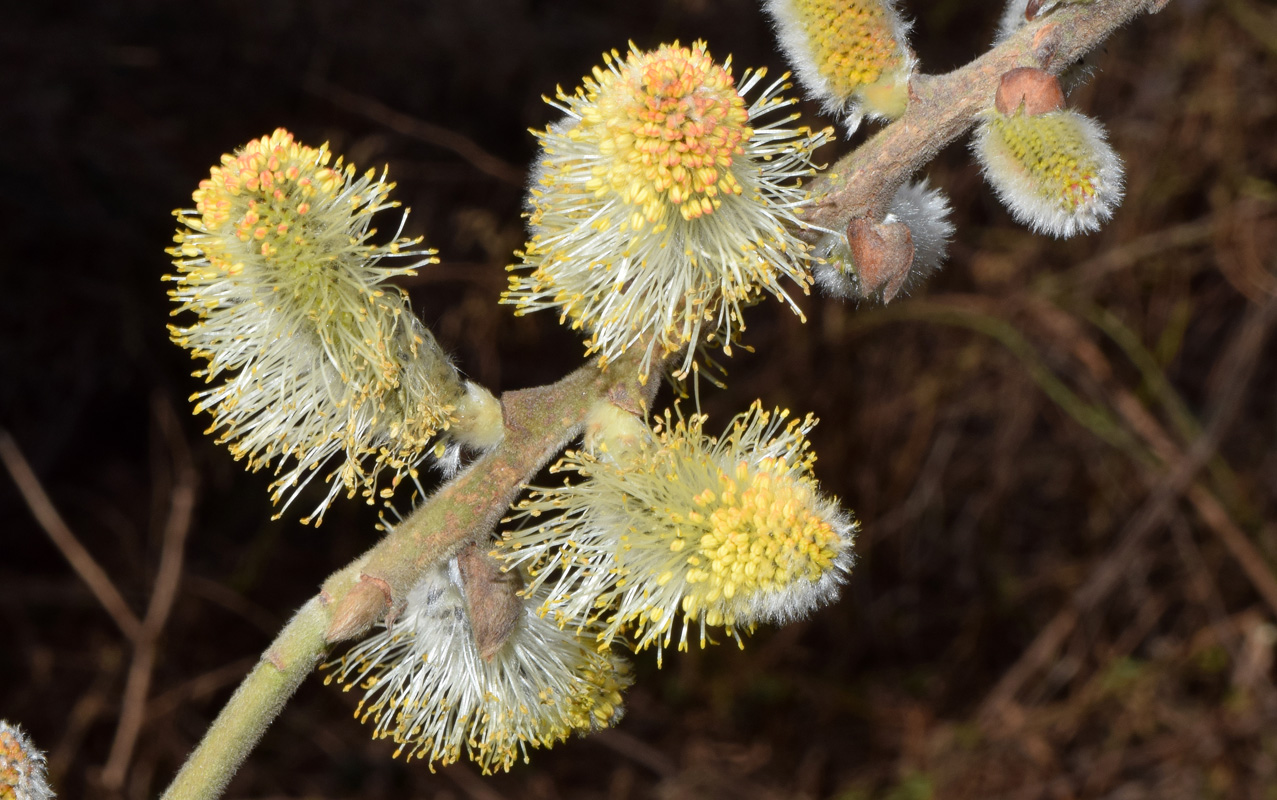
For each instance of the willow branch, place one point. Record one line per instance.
(255, 704)
(538, 423)
(944, 107)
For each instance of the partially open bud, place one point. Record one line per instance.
(881, 259)
(852, 55)
(611, 430)
(1035, 8)
(1019, 13)
(1012, 20)
(1054, 171)
(477, 421)
(364, 605)
(22, 769)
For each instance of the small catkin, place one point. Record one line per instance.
(851, 55)
(22, 767)
(1054, 172)
(924, 212)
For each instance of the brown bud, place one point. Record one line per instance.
(883, 253)
(492, 599)
(1037, 91)
(360, 609)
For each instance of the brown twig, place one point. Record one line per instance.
(138, 684)
(1203, 583)
(638, 751)
(421, 130)
(1247, 555)
(1129, 253)
(197, 687)
(51, 521)
(539, 423)
(91, 706)
(227, 598)
(473, 786)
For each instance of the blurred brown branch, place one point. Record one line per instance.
(51, 521)
(423, 131)
(177, 525)
(1177, 478)
(143, 634)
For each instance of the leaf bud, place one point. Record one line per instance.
(881, 259)
(1029, 89)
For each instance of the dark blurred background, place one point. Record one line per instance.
(1061, 452)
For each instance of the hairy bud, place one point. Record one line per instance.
(365, 605)
(852, 55)
(478, 422)
(611, 431)
(882, 259)
(1054, 171)
(1035, 8)
(22, 767)
(1019, 13)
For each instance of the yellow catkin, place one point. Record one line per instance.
(851, 54)
(22, 767)
(721, 532)
(311, 352)
(671, 124)
(1054, 171)
(660, 207)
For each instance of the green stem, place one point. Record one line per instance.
(255, 704)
